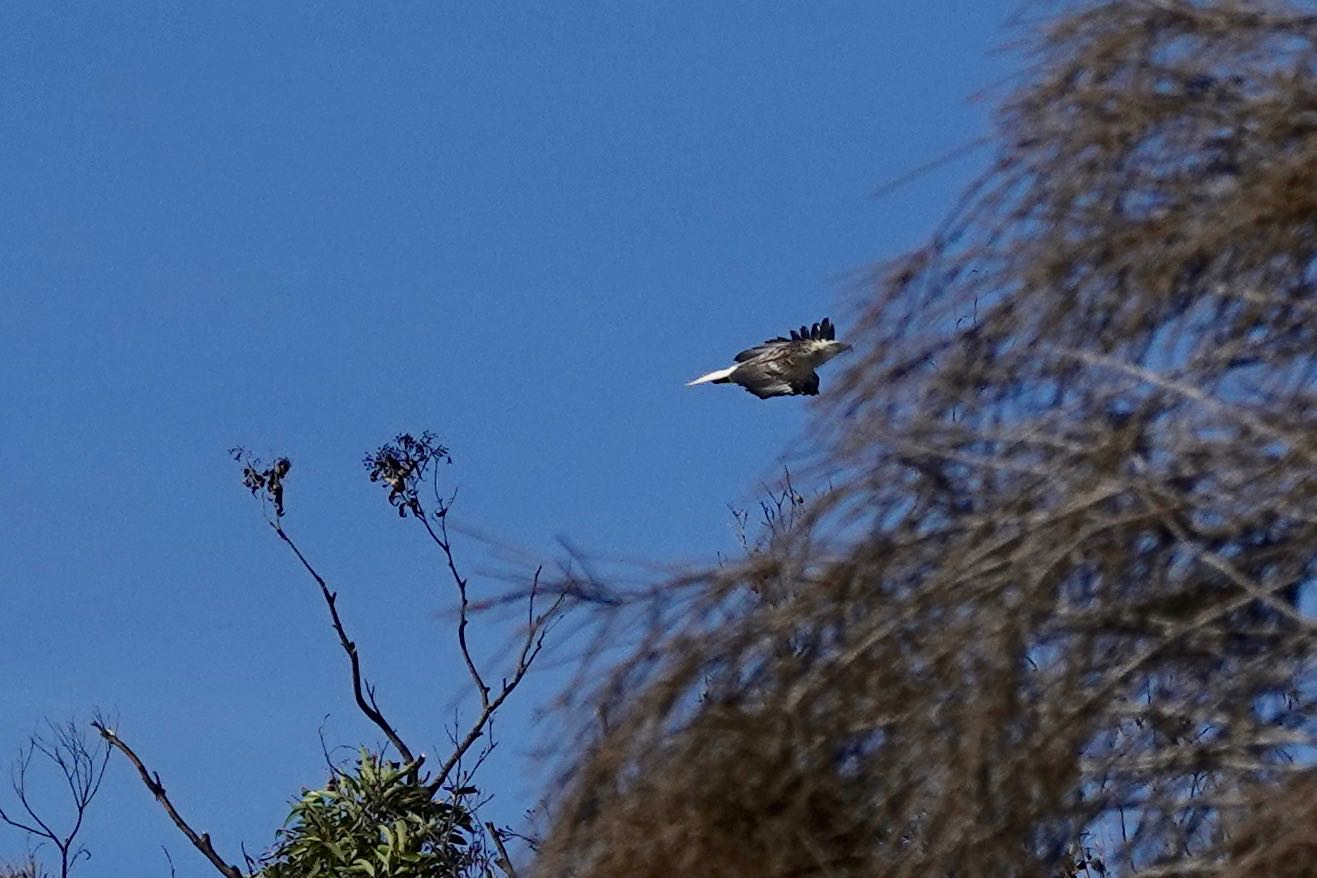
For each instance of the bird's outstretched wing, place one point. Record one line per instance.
(764, 384)
(773, 347)
(807, 386)
(777, 377)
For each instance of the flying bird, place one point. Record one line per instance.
(782, 366)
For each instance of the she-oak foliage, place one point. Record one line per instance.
(1055, 615)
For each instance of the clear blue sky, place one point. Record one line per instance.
(304, 227)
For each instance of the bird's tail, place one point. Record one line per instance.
(722, 376)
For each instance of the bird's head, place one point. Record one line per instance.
(826, 350)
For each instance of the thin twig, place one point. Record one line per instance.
(537, 629)
(445, 545)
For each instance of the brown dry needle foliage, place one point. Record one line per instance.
(1054, 616)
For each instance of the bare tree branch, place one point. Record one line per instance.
(402, 466)
(269, 484)
(504, 861)
(537, 628)
(362, 691)
(440, 539)
(83, 769)
(200, 840)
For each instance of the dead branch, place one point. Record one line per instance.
(361, 690)
(403, 466)
(441, 539)
(201, 841)
(83, 769)
(537, 628)
(504, 862)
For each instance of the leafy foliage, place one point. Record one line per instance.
(402, 465)
(377, 820)
(260, 479)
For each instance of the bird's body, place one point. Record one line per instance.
(782, 366)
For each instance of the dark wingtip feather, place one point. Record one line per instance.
(824, 330)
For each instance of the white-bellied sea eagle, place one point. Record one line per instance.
(782, 366)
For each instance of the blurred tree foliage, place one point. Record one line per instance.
(1055, 614)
